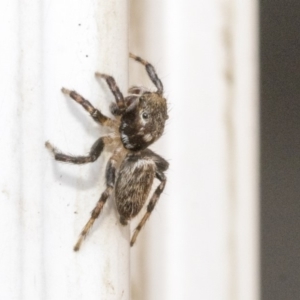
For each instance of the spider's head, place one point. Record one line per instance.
(143, 121)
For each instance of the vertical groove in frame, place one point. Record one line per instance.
(242, 119)
(246, 163)
(247, 114)
(229, 74)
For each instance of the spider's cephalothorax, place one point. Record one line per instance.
(143, 121)
(131, 169)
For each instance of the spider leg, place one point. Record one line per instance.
(116, 92)
(95, 152)
(110, 180)
(160, 175)
(151, 72)
(161, 164)
(95, 113)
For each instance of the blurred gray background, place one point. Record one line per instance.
(280, 149)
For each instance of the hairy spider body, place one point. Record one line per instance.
(132, 168)
(133, 186)
(143, 121)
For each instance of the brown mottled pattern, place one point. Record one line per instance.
(133, 186)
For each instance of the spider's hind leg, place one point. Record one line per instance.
(110, 181)
(150, 206)
(161, 165)
(95, 214)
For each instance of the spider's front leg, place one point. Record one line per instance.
(95, 152)
(95, 113)
(151, 72)
(119, 107)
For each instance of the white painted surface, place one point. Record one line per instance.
(202, 239)
(44, 204)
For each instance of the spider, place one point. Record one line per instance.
(139, 121)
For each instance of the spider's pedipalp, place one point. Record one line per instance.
(137, 90)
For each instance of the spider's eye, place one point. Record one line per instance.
(145, 116)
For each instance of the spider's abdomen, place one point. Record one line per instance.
(133, 185)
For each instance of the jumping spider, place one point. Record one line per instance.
(132, 167)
